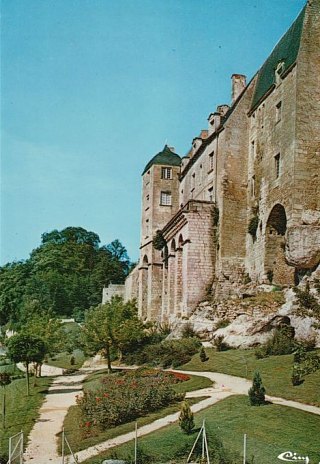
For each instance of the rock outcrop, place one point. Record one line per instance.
(303, 246)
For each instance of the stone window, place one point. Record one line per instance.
(252, 150)
(210, 194)
(277, 165)
(148, 196)
(193, 181)
(278, 111)
(165, 199)
(253, 186)
(166, 173)
(211, 161)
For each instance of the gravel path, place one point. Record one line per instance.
(42, 444)
(42, 448)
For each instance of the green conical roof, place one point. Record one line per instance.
(165, 157)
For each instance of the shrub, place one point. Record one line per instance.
(203, 355)
(253, 226)
(296, 375)
(188, 331)
(261, 352)
(123, 397)
(257, 391)
(159, 242)
(220, 344)
(72, 361)
(281, 342)
(222, 323)
(270, 276)
(186, 420)
(168, 353)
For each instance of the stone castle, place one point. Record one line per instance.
(244, 204)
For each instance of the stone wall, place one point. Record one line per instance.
(112, 290)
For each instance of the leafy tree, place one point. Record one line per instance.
(26, 348)
(66, 272)
(13, 279)
(5, 380)
(186, 420)
(107, 326)
(257, 391)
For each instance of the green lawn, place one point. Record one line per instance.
(22, 410)
(270, 430)
(63, 360)
(73, 418)
(275, 372)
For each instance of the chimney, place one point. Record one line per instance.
(238, 84)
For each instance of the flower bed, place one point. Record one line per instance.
(125, 396)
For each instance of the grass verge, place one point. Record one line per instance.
(275, 372)
(270, 430)
(22, 410)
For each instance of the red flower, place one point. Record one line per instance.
(87, 424)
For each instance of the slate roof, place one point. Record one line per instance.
(286, 50)
(165, 157)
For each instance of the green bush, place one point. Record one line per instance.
(168, 353)
(253, 226)
(222, 323)
(282, 342)
(188, 331)
(261, 352)
(203, 355)
(141, 392)
(257, 391)
(220, 344)
(186, 420)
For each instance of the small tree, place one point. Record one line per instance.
(257, 391)
(5, 380)
(186, 421)
(203, 355)
(26, 348)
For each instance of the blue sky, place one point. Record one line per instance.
(92, 89)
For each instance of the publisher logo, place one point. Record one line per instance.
(289, 456)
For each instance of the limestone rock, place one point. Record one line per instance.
(303, 246)
(311, 217)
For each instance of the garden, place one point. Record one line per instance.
(141, 391)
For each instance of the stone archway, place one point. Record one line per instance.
(276, 268)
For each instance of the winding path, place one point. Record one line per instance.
(42, 447)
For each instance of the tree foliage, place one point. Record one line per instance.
(114, 325)
(186, 420)
(26, 348)
(66, 272)
(257, 391)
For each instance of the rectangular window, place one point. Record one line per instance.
(210, 194)
(277, 165)
(166, 173)
(193, 181)
(253, 186)
(252, 150)
(278, 111)
(211, 161)
(165, 199)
